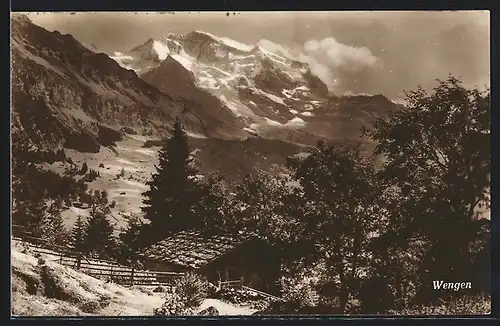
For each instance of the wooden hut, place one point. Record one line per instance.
(220, 257)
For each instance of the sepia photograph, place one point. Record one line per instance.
(172, 164)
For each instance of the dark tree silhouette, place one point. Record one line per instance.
(437, 157)
(214, 206)
(343, 212)
(99, 238)
(131, 241)
(84, 168)
(169, 202)
(77, 237)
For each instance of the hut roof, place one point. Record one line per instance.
(193, 249)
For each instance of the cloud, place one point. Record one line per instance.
(327, 58)
(340, 56)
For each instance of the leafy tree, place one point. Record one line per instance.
(99, 238)
(343, 212)
(214, 206)
(437, 157)
(265, 204)
(169, 202)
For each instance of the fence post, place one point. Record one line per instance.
(111, 276)
(132, 276)
(79, 260)
(60, 257)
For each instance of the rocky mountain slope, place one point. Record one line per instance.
(272, 93)
(64, 94)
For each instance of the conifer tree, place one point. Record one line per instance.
(99, 238)
(78, 236)
(130, 240)
(169, 202)
(51, 227)
(84, 168)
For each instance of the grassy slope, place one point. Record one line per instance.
(234, 159)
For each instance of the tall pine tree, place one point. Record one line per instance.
(130, 241)
(169, 202)
(78, 236)
(99, 238)
(52, 227)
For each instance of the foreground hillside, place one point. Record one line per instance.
(50, 289)
(44, 288)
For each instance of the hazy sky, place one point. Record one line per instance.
(359, 52)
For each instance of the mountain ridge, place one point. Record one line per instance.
(59, 82)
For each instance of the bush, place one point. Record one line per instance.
(244, 297)
(466, 305)
(300, 291)
(174, 305)
(185, 296)
(194, 288)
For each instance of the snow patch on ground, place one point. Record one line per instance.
(146, 151)
(161, 50)
(225, 309)
(185, 60)
(296, 122)
(235, 44)
(195, 135)
(272, 97)
(293, 123)
(120, 57)
(238, 109)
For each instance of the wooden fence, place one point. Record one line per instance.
(230, 284)
(264, 294)
(97, 267)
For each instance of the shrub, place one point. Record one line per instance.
(302, 292)
(175, 304)
(194, 288)
(185, 296)
(244, 297)
(466, 305)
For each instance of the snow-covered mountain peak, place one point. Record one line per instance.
(259, 83)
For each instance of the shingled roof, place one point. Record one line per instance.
(193, 249)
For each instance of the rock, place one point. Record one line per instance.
(210, 311)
